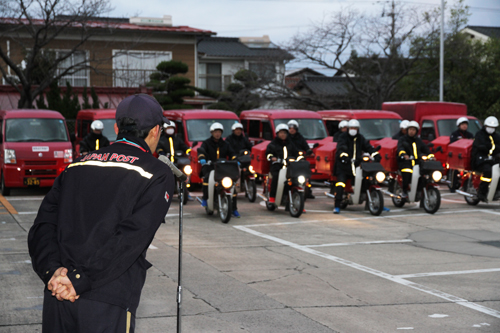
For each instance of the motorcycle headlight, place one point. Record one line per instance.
(188, 170)
(437, 175)
(301, 179)
(251, 169)
(10, 156)
(227, 182)
(366, 158)
(380, 176)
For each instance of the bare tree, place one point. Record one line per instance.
(372, 53)
(29, 30)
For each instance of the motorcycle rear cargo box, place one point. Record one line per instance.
(325, 158)
(441, 154)
(459, 154)
(259, 160)
(388, 153)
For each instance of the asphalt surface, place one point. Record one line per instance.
(268, 272)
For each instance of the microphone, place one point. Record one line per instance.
(178, 173)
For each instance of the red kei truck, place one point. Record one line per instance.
(259, 126)
(35, 148)
(193, 126)
(84, 119)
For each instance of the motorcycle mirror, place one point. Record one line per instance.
(440, 148)
(430, 145)
(194, 143)
(316, 145)
(378, 148)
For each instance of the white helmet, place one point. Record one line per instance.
(216, 126)
(404, 124)
(413, 123)
(491, 121)
(169, 124)
(462, 120)
(343, 124)
(353, 123)
(281, 127)
(293, 123)
(97, 125)
(236, 125)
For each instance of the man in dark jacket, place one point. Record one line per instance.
(89, 240)
(169, 143)
(212, 149)
(277, 152)
(461, 132)
(342, 129)
(94, 140)
(485, 149)
(350, 149)
(302, 147)
(403, 128)
(237, 140)
(410, 151)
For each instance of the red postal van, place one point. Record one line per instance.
(34, 148)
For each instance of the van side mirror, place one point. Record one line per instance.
(194, 143)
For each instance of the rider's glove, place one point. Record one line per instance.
(203, 162)
(344, 159)
(239, 164)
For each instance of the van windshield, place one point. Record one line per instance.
(199, 129)
(35, 130)
(311, 129)
(376, 129)
(448, 126)
(109, 129)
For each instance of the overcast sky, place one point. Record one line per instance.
(280, 19)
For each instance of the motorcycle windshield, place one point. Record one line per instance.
(376, 129)
(311, 129)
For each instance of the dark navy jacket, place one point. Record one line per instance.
(99, 219)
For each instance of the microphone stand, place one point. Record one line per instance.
(179, 274)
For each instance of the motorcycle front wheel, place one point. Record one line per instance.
(470, 201)
(296, 204)
(431, 205)
(376, 204)
(251, 190)
(225, 204)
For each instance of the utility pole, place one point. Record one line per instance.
(441, 54)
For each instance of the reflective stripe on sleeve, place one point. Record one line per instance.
(340, 184)
(487, 180)
(407, 170)
(492, 146)
(344, 154)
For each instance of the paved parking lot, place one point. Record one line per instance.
(269, 272)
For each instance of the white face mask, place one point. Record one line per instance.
(353, 132)
(170, 131)
(490, 130)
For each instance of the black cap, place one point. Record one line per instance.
(144, 109)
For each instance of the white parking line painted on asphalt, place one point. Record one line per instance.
(363, 243)
(487, 270)
(393, 278)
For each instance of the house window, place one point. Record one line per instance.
(210, 76)
(132, 68)
(76, 78)
(265, 71)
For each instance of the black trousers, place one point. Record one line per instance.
(342, 178)
(205, 173)
(487, 172)
(84, 316)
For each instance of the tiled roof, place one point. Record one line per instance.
(113, 23)
(324, 85)
(488, 31)
(232, 47)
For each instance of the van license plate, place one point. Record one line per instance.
(31, 181)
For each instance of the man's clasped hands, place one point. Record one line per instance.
(61, 286)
